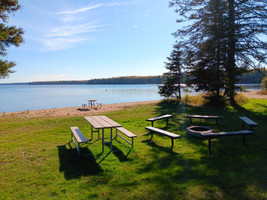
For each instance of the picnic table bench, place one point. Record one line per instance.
(77, 135)
(126, 133)
(244, 133)
(167, 116)
(203, 117)
(249, 122)
(163, 132)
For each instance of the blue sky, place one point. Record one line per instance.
(84, 39)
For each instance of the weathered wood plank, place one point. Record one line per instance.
(126, 132)
(203, 116)
(248, 121)
(163, 132)
(160, 117)
(78, 135)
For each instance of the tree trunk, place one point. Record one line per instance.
(231, 68)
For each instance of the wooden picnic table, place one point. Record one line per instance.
(91, 102)
(101, 123)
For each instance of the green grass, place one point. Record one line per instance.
(38, 162)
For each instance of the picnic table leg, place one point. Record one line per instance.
(243, 125)
(116, 134)
(190, 119)
(110, 144)
(152, 123)
(91, 133)
(151, 135)
(172, 144)
(167, 120)
(132, 142)
(79, 149)
(102, 140)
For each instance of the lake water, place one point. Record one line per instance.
(35, 97)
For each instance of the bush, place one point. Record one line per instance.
(241, 98)
(264, 83)
(197, 100)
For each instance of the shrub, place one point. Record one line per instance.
(264, 83)
(241, 98)
(197, 100)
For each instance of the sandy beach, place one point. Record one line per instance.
(75, 111)
(254, 95)
(78, 111)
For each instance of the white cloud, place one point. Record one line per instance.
(66, 36)
(87, 8)
(71, 27)
(71, 30)
(81, 10)
(55, 44)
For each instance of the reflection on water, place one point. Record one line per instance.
(35, 97)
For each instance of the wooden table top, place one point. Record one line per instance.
(100, 122)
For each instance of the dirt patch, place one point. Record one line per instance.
(254, 95)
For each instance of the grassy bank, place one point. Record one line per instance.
(38, 162)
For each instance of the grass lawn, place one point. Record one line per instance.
(37, 160)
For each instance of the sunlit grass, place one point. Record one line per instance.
(38, 162)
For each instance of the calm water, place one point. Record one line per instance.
(34, 97)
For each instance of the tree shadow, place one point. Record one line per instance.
(231, 164)
(120, 155)
(74, 166)
(160, 148)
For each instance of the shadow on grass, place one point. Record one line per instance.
(238, 171)
(75, 166)
(160, 148)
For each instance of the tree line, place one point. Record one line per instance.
(113, 80)
(252, 77)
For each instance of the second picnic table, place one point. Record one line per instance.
(101, 123)
(91, 102)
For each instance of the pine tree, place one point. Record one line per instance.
(207, 59)
(222, 41)
(9, 35)
(172, 84)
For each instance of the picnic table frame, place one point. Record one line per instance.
(91, 102)
(101, 123)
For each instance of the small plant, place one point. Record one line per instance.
(186, 99)
(241, 99)
(244, 89)
(197, 100)
(264, 83)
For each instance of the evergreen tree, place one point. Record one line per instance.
(9, 35)
(222, 40)
(172, 83)
(207, 58)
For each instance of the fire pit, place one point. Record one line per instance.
(198, 130)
